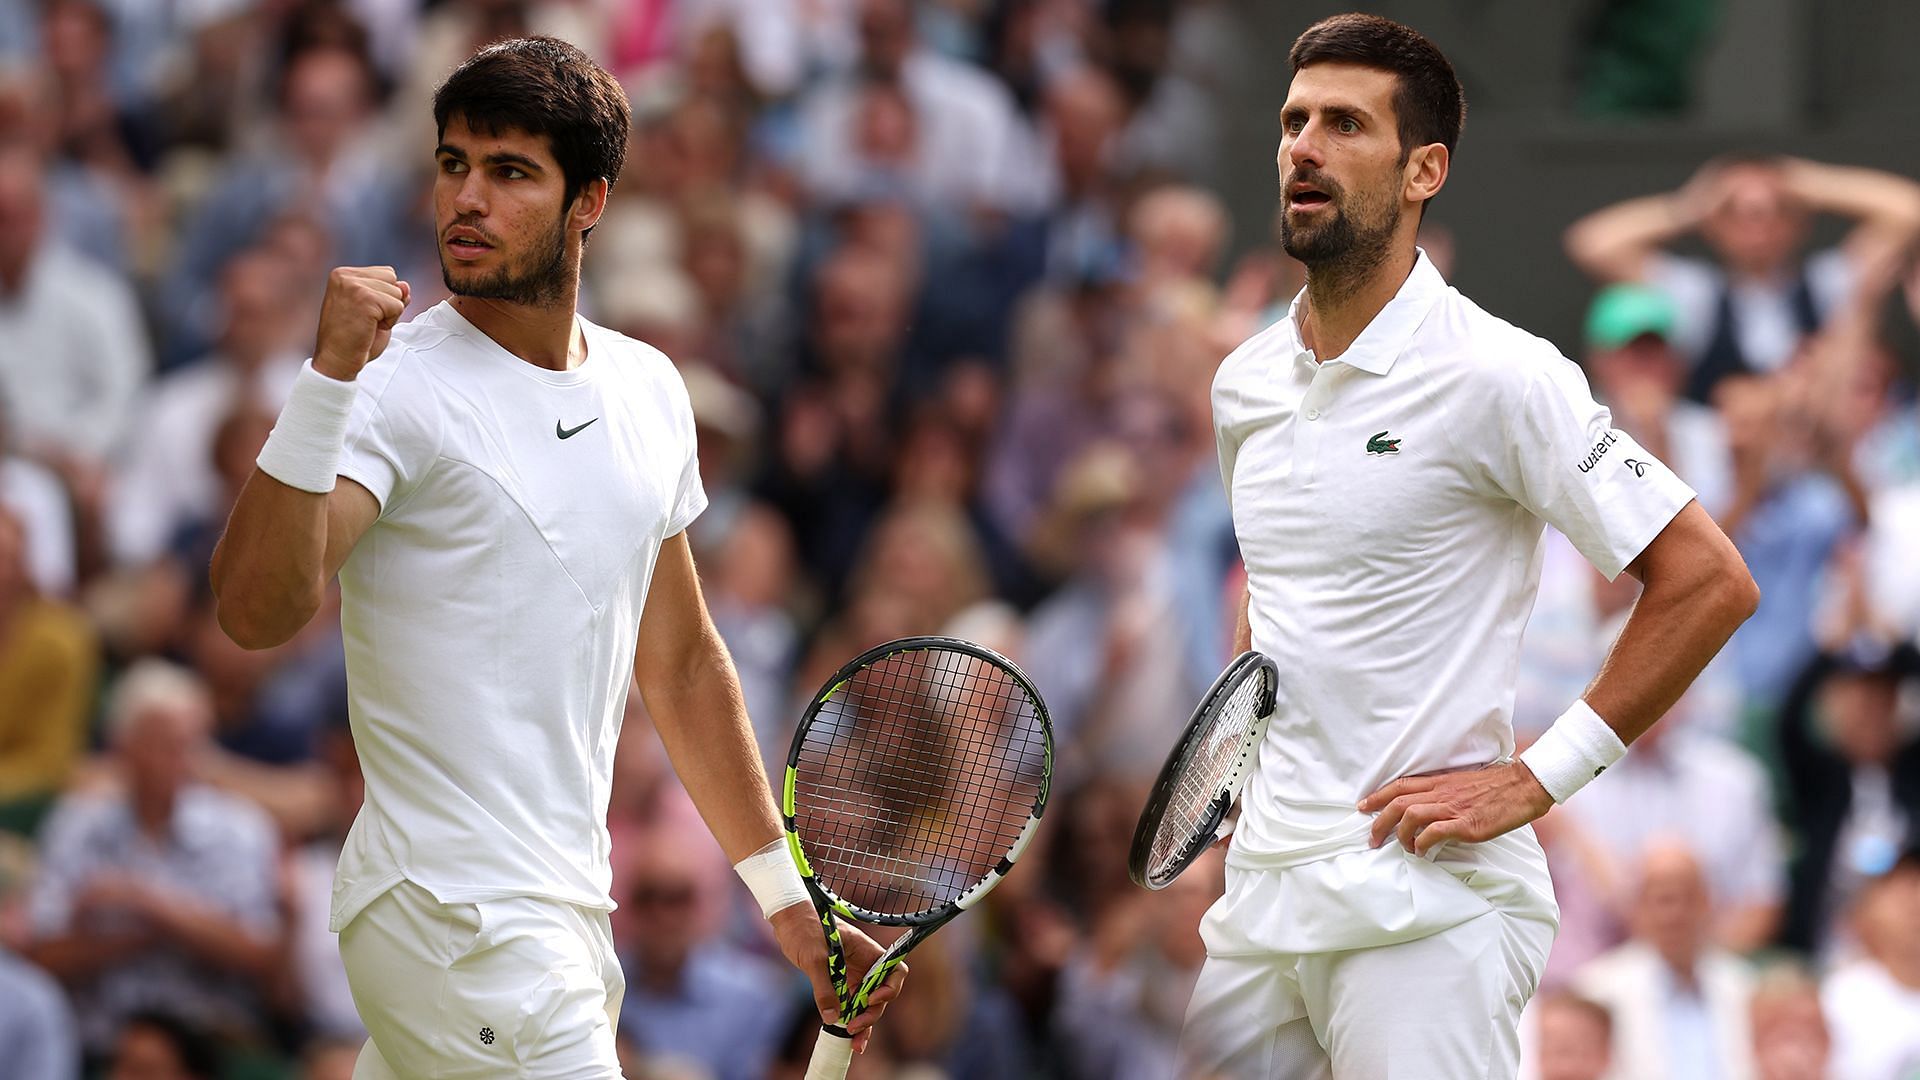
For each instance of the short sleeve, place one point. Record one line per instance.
(393, 431)
(1564, 461)
(689, 495)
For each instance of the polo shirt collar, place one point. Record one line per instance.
(1375, 350)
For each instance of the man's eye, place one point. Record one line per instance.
(1349, 125)
(512, 173)
(452, 167)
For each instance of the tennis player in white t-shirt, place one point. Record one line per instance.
(1391, 453)
(503, 489)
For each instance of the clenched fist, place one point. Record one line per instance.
(357, 317)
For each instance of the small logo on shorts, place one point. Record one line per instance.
(486, 1036)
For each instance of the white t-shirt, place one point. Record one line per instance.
(490, 614)
(1875, 1022)
(1389, 506)
(1763, 313)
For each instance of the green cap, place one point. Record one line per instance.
(1624, 312)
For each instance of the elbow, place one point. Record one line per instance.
(1739, 594)
(253, 629)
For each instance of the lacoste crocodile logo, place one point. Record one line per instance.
(1380, 444)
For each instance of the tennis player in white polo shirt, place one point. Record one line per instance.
(1391, 452)
(503, 489)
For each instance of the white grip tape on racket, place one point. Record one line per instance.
(832, 1057)
(1578, 747)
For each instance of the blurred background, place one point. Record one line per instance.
(948, 281)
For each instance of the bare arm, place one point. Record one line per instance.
(1243, 625)
(1696, 593)
(282, 545)
(688, 682)
(1616, 243)
(1886, 207)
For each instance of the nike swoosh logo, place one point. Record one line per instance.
(568, 433)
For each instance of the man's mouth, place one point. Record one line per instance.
(467, 242)
(1307, 198)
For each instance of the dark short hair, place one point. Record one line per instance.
(1428, 100)
(199, 1054)
(543, 86)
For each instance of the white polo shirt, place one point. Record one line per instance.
(491, 613)
(1389, 504)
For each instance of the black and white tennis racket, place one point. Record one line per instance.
(1204, 773)
(917, 778)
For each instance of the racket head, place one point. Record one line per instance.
(1204, 773)
(916, 779)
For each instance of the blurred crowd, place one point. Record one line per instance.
(948, 283)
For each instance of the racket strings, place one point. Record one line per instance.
(916, 778)
(1217, 750)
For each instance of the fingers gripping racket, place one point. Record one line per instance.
(1203, 775)
(916, 779)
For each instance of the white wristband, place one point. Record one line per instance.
(772, 877)
(304, 449)
(1578, 747)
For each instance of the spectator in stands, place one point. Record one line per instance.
(49, 661)
(322, 163)
(1575, 1040)
(1796, 500)
(1640, 376)
(1745, 311)
(35, 496)
(99, 201)
(950, 128)
(1716, 796)
(76, 350)
(689, 993)
(1679, 1002)
(957, 1024)
(1873, 1004)
(1790, 1039)
(36, 1026)
(167, 478)
(1852, 781)
(158, 891)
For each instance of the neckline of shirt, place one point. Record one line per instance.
(495, 351)
(1388, 334)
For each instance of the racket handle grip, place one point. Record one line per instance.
(832, 1056)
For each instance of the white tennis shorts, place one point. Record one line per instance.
(1373, 964)
(520, 987)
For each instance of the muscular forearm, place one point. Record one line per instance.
(268, 569)
(1243, 624)
(702, 720)
(1683, 618)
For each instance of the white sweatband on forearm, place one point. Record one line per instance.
(772, 878)
(304, 449)
(1578, 747)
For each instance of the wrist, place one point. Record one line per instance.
(772, 877)
(335, 369)
(303, 450)
(1578, 747)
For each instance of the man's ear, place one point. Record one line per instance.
(1425, 172)
(587, 206)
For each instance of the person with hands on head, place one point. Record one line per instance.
(1745, 310)
(503, 490)
(1392, 454)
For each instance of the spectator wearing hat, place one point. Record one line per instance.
(1641, 376)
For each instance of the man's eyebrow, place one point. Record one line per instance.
(520, 160)
(1331, 108)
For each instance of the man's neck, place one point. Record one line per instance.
(1343, 300)
(544, 336)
